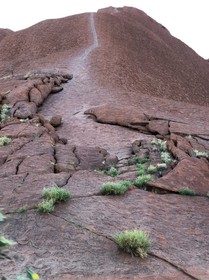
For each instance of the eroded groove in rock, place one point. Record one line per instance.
(85, 228)
(174, 265)
(18, 166)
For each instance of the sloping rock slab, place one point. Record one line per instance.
(22, 130)
(80, 183)
(90, 157)
(182, 234)
(158, 126)
(189, 129)
(26, 191)
(192, 173)
(80, 253)
(124, 116)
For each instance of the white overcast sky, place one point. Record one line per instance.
(187, 20)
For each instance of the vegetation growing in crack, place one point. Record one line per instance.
(115, 188)
(161, 166)
(134, 242)
(46, 206)
(4, 140)
(137, 160)
(200, 154)
(113, 172)
(141, 181)
(4, 114)
(56, 194)
(24, 120)
(22, 209)
(152, 160)
(52, 196)
(4, 242)
(187, 191)
(165, 157)
(151, 169)
(159, 144)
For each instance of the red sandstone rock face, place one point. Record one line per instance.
(91, 92)
(4, 33)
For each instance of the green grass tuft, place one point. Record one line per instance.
(115, 188)
(4, 114)
(187, 191)
(151, 169)
(56, 194)
(200, 154)
(137, 160)
(112, 172)
(162, 145)
(21, 209)
(134, 242)
(141, 180)
(4, 140)
(46, 206)
(165, 157)
(161, 166)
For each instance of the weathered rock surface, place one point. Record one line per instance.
(131, 82)
(190, 173)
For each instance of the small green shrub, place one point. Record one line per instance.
(56, 194)
(187, 191)
(161, 166)
(165, 157)
(115, 188)
(141, 180)
(160, 144)
(4, 115)
(151, 169)
(52, 195)
(21, 209)
(46, 206)
(4, 140)
(141, 170)
(112, 172)
(200, 154)
(137, 160)
(134, 242)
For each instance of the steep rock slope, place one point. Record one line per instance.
(133, 103)
(147, 59)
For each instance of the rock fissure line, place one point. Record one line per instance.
(54, 156)
(88, 195)
(174, 266)
(85, 228)
(76, 156)
(66, 182)
(112, 239)
(25, 177)
(18, 166)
